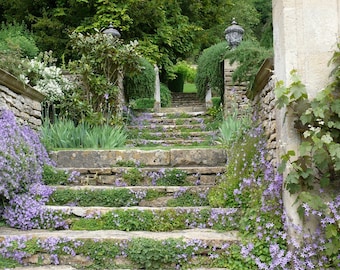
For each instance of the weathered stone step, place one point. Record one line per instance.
(177, 134)
(173, 121)
(83, 211)
(210, 237)
(174, 115)
(113, 175)
(166, 189)
(183, 109)
(153, 128)
(167, 142)
(161, 157)
(161, 196)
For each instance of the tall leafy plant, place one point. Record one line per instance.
(141, 84)
(102, 61)
(210, 70)
(249, 56)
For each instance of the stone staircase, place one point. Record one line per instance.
(139, 193)
(185, 102)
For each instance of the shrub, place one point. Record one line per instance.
(141, 84)
(210, 70)
(16, 37)
(249, 55)
(166, 97)
(142, 103)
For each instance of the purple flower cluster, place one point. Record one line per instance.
(15, 247)
(22, 158)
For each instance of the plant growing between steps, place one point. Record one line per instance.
(22, 191)
(98, 255)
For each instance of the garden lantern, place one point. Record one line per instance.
(110, 30)
(234, 34)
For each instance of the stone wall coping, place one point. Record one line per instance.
(262, 77)
(19, 87)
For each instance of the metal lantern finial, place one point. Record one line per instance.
(234, 34)
(110, 30)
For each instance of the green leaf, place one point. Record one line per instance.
(331, 230)
(305, 148)
(324, 181)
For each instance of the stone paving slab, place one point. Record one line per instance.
(82, 211)
(172, 157)
(210, 237)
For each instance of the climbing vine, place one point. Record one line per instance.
(316, 168)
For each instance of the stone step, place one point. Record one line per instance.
(167, 128)
(184, 109)
(85, 211)
(172, 115)
(176, 134)
(207, 157)
(202, 241)
(174, 121)
(168, 142)
(208, 236)
(160, 195)
(112, 176)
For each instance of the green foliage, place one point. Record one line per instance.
(210, 70)
(239, 166)
(101, 252)
(101, 62)
(320, 148)
(133, 176)
(318, 162)
(233, 128)
(65, 134)
(15, 43)
(166, 97)
(53, 176)
(189, 198)
(295, 93)
(177, 84)
(153, 254)
(155, 220)
(173, 177)
(142, 103)
(141, 84)
(88, 197)
(249, 55)
(16, 37)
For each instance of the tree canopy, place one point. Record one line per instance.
(167, 31)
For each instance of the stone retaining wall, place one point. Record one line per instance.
(260, 100)
(263, 104)
(21, 99)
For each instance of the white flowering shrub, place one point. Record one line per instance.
(42, 74)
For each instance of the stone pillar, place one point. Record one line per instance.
(157, 95)
(208, 101)
(305, 36)
(234, 98)
(121, 95)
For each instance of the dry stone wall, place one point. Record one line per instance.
(21, 99)
(260, 101)
(263, 104)
(234, 93)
